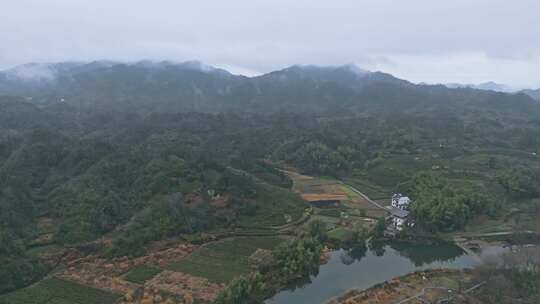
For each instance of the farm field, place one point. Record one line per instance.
(141, 274)
(353, 210)
(58, 291)
(274, 207)
(222, 261)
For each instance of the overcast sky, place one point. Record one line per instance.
(435, 41)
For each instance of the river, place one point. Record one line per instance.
(362, 269)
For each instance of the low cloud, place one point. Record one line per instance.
(33, 72)
(470, 67)
(433, 41)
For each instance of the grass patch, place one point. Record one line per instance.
(272, 204)
(315, 183)
(448, 282)
(141, 274)
(58, 291)
(350, 193)
(339, 234)
(326, 219)
(221, 262)
(39, 251)
(330, 212)
(370, 189)
(484, 224)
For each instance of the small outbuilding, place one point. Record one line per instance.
(324, 200)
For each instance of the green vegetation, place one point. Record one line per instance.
(339, 234)
(141, 274)
(145, 154)
(243, 290)
(330, 212)
(441, 206)
(380, 227)
(271, 207)
(318, 157)
(521, 183)
(19, 271)
(252, 206)
(512, 278)
(291, 262)
(318, 229)
(350, 193)
(222, 261)
(57, 291)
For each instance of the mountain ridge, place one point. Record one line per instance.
(535, 94)
(164, 86)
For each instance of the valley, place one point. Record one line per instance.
(133, 183)
(176, 271)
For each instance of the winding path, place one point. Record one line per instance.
(366, 197)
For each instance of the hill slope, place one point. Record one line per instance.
(104, 148)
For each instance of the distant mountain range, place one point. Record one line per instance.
(496, 87)
(489, 86)
(348, 75)
(150, 86)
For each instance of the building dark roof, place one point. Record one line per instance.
(396, 212)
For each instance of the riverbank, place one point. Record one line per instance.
(431, 285)
(360, 270)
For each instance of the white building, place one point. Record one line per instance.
(400, 201)
(399, 211)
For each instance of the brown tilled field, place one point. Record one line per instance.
(164, 287)
(310, 197)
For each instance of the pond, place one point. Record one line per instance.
(362, 269)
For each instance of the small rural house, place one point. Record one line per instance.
(399, 218)
(400, 211)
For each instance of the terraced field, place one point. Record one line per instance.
(274, 207)
(57, 291)
(141, 274)
(222, 261)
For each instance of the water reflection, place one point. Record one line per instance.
(353, 254)
(421, 255)
(377, 247)
(362, 267)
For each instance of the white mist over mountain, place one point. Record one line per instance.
(489, 86)
(32, 72)
(422, 41)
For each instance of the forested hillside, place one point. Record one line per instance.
(142, 152)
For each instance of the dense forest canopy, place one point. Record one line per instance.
(147, 151)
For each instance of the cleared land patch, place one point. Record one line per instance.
(274, 206)
(352, 211)
(184, 285)
(310, 197)
(222, 261)
(141, 274)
